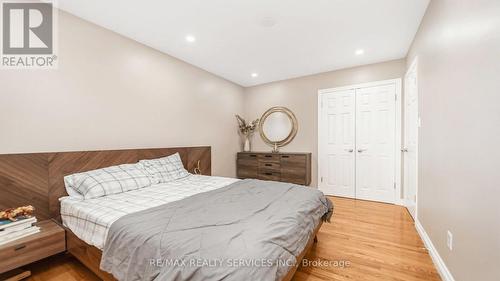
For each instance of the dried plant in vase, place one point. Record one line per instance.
(246, 130)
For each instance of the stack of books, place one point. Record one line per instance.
(13, 230)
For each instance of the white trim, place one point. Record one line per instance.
(443, 270)
(397, 144)
(414, 64)
(414, 67)
(318, 158)
(362, 85)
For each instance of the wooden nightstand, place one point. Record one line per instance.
(49, 241)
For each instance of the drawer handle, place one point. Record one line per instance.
(285, 156)
(269, 174)
(269, 156)
(19, 247)
(268, 165)
(253, 155)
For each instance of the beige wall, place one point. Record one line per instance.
(111, 92)
(301, 96)
(459, 66)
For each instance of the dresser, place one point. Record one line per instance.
(284, 167)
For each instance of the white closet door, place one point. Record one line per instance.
(375, 140)
(337, 141)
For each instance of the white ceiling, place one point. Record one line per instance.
(278, 39)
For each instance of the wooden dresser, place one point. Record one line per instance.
(285, 167)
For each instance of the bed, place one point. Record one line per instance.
(91, 219)
(88, 222)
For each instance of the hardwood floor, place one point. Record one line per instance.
(375, 241)
(62, 267)
(379, 241)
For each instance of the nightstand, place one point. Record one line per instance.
(49, 241)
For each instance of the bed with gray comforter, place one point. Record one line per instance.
(249, 230)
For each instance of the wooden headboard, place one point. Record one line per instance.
(37, 178)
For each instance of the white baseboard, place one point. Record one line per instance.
(400, 202)
(436, 258)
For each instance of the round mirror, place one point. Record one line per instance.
(278, 126)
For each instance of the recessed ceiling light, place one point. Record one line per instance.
(255, 75)
(190, 38)
(359, 52)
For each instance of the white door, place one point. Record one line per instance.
(411, 140)
(336, 143)
(375, 143)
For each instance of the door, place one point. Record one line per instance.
(357, 142)
(410, 147)
(337, 143)
(375, 143)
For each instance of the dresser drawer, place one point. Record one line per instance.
(244, 172)
(290, 160)
(248, 156)
(269, 176)
(49, 241)
(247, 159)
(247, 165)
(269, 166)
(269, 157)
(297, 178)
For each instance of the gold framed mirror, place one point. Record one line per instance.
(278, 126)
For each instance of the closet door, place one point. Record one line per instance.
(336, 143)
(375, 140)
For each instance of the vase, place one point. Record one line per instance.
(246, 145)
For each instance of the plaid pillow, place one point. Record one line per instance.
(165, 169)
(110, 180)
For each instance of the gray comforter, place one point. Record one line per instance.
(249, 230)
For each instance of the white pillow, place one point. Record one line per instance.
(166, 169)
(68, 183)
(110, 180)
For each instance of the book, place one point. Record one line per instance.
(5, 224)
(15, 228)
(19, 234)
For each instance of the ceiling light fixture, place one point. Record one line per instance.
(359, 52)
(255, 75)
(190, 38)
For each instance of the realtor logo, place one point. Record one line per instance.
(28, 35)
